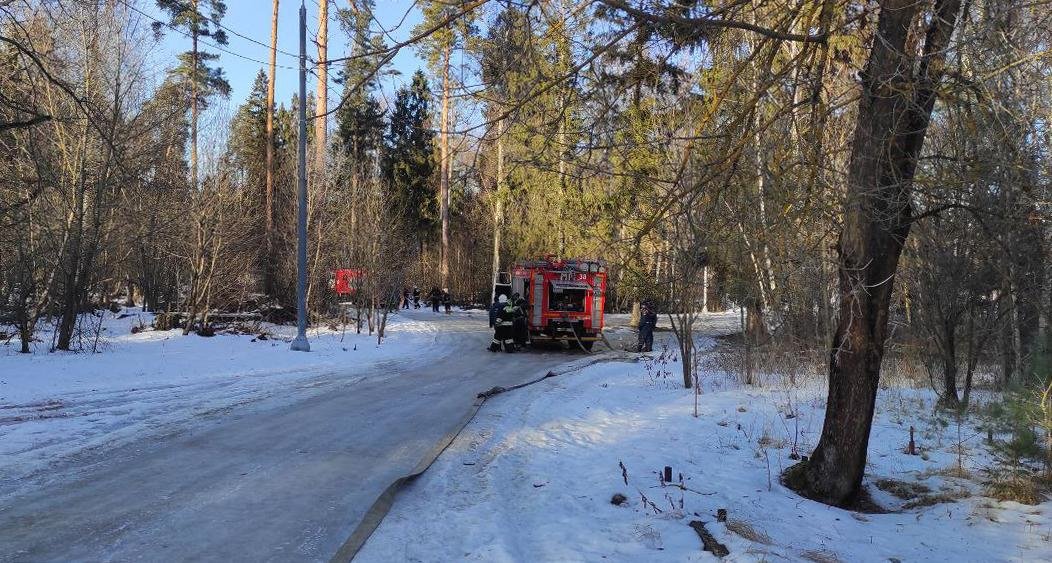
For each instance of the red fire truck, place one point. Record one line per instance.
(566, 298)
(345, 281)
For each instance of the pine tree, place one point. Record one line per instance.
(408, 162)
(438, 49)
(360, 120)
(201, 80)
(248, 139)
(510, 66)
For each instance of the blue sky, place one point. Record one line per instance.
(252, 19)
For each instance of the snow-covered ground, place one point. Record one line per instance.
(234, 450)
(532, 478)
(56, 404)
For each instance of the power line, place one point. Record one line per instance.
(257, 42)
(189, 36)
(393, 50)
(387, 32)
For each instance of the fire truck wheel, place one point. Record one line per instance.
(587, 344)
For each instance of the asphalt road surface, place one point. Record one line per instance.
(261, 482)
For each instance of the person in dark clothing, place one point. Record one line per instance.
(522, 331)
(494, 310)
(416, 297)
(447, 301)
(503, 326)
(405, 298)
(436, 298)
(647, 322)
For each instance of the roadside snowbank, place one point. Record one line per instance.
(531, 479)
(56, 404)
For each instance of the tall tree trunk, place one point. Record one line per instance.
(444, 167)
(1045, 311)
(323, 88)
(268, 221)
(1044, 321)
(893, 115)
(315, 216)
(949, 398)
(73, 285)
(971, 359)
(767, 272)
(755, 327)
(561, 229)
(704, 289)
(761, 279)
(498, 207)
(562, 64)
(1018, 356)
(129, 287)
(71, 289)
(193, 101)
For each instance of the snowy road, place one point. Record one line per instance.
(278, 479)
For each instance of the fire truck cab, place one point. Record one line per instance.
(565, 298)
(345, 281)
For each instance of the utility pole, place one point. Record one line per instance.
(300, 344)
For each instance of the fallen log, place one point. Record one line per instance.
(708, 541)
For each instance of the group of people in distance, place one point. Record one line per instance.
(437, 297)
(507, 318)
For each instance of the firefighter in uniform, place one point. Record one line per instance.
(647, 322)
(504, 327)
(522, 332)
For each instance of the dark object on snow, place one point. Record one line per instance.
(206, 331)
(667, 477)
(708, 541)
(911, 449)
(618, 499)
(721, 515)
(495, 390)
